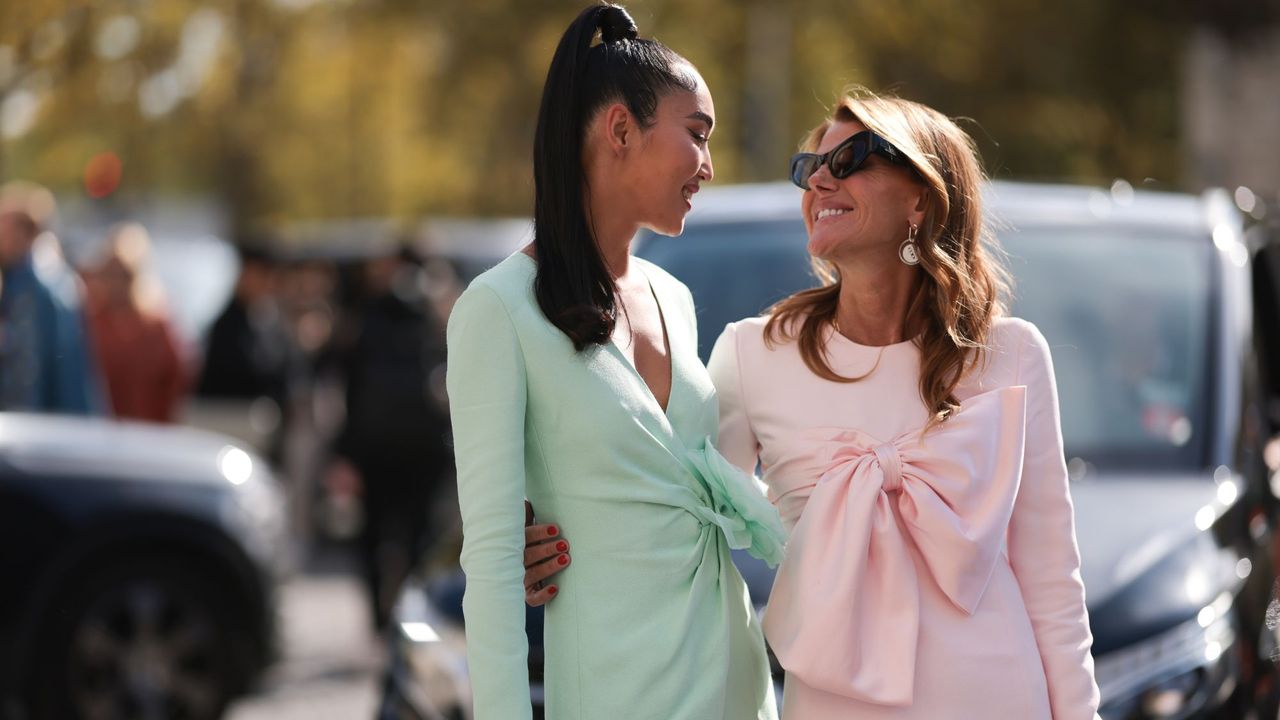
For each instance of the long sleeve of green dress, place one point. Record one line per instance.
(488, 422)
(652, 619)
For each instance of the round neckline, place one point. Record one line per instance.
(835, 337)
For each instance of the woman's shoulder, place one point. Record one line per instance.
(513, 276)
(513, 272)
(1015, 335)
(1013, 346)
(507, 285)
(750, 331)
(747, 338)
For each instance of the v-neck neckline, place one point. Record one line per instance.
(670, 348)
(668, 336)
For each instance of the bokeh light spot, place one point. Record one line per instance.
(102, 174)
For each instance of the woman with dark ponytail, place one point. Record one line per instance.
(574, 381)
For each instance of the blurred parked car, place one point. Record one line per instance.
(1145, 300)
(139, 564)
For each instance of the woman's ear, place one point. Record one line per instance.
(921, 206)
(619, 128)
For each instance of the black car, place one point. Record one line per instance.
(1146, 301)
(139, 565)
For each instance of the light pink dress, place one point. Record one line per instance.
(933, 577)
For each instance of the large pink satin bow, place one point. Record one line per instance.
(844, 613)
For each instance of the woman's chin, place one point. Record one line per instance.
(822, 245)
(670, 227)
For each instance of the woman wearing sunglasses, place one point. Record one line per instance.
(909, 435)
(574, 380)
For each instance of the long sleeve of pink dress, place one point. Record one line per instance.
(1042, 542)
(927, 575)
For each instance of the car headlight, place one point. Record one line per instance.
(1164, 674)
(235, 464)
(256, 507)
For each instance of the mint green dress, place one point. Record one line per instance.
(652, 620)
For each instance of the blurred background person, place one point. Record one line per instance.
(132, 337)
(394, 441)
(45, 365)
(249, 354)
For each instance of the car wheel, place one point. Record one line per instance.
(144, 639)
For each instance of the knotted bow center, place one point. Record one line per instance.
(890, 467)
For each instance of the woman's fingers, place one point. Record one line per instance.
(535, 553)
(538, 590)
(538, 598)
(540, 534)
(545, 554)
(540, 542)
(539, 572)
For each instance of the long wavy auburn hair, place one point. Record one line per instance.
(963, 285)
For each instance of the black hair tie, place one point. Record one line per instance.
(616, 24)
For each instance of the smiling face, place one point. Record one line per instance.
(868, 212)
(671, 159)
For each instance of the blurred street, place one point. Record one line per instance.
(331, 659)
(232, 235)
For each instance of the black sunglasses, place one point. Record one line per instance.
(844, 159)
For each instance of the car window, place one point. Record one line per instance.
(734, 270)
(1126, 313)
(1130, 348)
(1266, 317)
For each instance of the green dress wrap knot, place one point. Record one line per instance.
(652, 620)
(742, 512)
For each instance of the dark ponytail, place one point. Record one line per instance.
(573, 286)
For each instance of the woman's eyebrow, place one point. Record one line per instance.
(699, 115)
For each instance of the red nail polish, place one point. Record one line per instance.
(552, 531)
(553, 590)
(562, 546)
(562, 560)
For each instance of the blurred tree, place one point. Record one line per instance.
(321, 108)
(41, 44)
